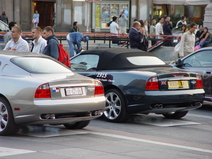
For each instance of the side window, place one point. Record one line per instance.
(199, 59)
(85, 63)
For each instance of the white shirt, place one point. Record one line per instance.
(158, 29)
(39, 45)
(187, 43)
(114, 28)
(20, 45)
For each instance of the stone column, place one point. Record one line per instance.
(207, 17)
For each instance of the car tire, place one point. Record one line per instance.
(7, 123)
(115, 108)
(176, 115)
(77, 125)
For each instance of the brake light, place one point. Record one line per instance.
(43, 91)
(99, 89)
(152, 84)
(199, 83)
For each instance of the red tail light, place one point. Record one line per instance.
(99, 89)
(152, 84)
(43, 91)
(199, 83)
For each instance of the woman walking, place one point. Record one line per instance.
(35, 20)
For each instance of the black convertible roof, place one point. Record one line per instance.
(115, 58)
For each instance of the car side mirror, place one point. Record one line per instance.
(178, 63)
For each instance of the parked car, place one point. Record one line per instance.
(3, 28)
(139, 82)
(199, 61)
(36, 89)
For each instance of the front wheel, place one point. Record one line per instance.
(115, 109)
(7, 123)
(77, 125)
(175, 115)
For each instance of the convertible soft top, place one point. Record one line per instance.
(115, 58)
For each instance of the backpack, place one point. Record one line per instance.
(63, 56)
(108, 24)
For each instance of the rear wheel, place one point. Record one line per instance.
(115, 109)
(77, 125)
(7, 123)
(176, 115)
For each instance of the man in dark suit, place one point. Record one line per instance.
(167, 30)
(136, 37)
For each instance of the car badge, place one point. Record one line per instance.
(56, 89)
(193, 82)
(163, 82)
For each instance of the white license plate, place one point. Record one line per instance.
(73, 91)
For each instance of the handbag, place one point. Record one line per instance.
(34, 20)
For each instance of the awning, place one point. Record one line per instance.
(182, 2)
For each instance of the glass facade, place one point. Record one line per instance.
(105, 10)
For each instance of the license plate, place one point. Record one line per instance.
(73, 91)
(177, 84)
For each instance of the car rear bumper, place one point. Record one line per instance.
(163, 102)
(64, 111)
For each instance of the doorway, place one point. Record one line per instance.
(46, 11)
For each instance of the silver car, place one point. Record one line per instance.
(36, 89)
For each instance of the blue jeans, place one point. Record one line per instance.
(71, 48)
(203, 44)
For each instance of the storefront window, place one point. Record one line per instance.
(106, 10)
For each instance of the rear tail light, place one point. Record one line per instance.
(99, 89)
(199, 83)
(43, 91)
(152, 84)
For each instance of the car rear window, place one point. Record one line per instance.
(40, 65)
(145, 60)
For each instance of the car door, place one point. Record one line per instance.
(201, 62)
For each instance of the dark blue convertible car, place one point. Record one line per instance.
(139, 82)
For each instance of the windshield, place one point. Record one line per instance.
(145, 60)
(40, 65)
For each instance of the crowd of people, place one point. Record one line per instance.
(45, 41)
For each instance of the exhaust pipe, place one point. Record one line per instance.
(157, 106)
(197, 104)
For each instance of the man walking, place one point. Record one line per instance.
(17, 43)
(188, 41)
(51, 48)
(39, 43)
(73, 39)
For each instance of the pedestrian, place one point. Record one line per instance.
(122, 23)
(114, 28)
(35, 19)
(4, 18)
(176, 53)
(146, 26)
(159, 28)
(8, 35)
(188, 41)
(143, 29)
(17, 43)
(39, 43)
(181, 22)
(75, 27)
(152, 31)
(204, 38)
(135, 37)
(51, 48)
(73, 39)
(167, 30)
(199, 32)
